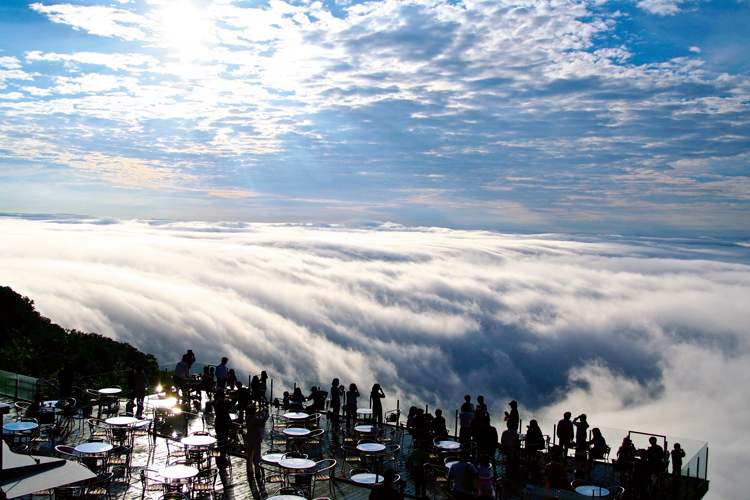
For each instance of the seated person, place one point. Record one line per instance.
(654, 453)
(598, 445)
(318, 398)
(534, 437)
(438, 424)
(557, 476)
(627, 451)
(34, 408)
(297, 399)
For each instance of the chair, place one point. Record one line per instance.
(439, 475)
(173, 495)
(97, 429)
(315, 438)
(325, 470)
(575, 483)
(294, 454)
(119, 458)
(151, 481)
(289, 490)
(68, 493)
(99, 487)
(616, 492)
(66, 452)
(220, 450)
(302, 480)
(205, 483)
(271, 473)
(175, 449)
(351, 457)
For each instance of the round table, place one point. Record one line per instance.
(50, 404)
(198, 441)
(121, 421)
(296, 432)
(364, 411)
(592, 491)
(371, 447)
(367, 478)
(297, 463)
(109, 391)
(286, 497)
(20, 426)
(296, 415)
(93, 448)
(178, 472)
(272, 457)
(448, 445)
(366, 429)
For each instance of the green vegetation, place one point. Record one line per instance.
(31, 344)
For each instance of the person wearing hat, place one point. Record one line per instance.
(512, 417)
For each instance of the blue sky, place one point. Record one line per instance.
(614, 116)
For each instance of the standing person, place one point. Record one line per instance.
(253, 440)
(582, 427)
(677, 455)
(415, 464)
(565, 432)
(486, 437)
(376, 395)
(139, 389)
(222, 420)
(255, 390)
(181, 375)
(222, 374)
(481, 407)
(190, 358)
(512, 417)
(485, 490)
(465, 418)
(351, 405)
(337, 391)
(464, 477)
(263, 386)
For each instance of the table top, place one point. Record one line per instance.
(95, 447)
(296, 432)
(285, 497)
(371, 447)
(20, 426)
(296, 415)
(198, 440)
(121, 421)
(448, 445)
(161, 402)
(366, 429)
(50, 404)
(110, 390)
(272, 457)
(364, 411)
(297, 463)
(178, 472)
(367, 478)
(592, 491)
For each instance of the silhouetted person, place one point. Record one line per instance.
(222, 420)
(598, 445)
(485, 490)
(231, 379)
(510, 443)
(438, 424)
(243, 400)
(415, 464)
(351, 405)
(565, 432)
(253, 441)
(461, 474)
(385, 490)
(534, 436)
(654, 453)
(464, 419)
(513, 417)
(337, 391)
(318, 398)
(139, 389)
(222, 374)
(582, 427)
(376, 395)
(677, 455)
(486, 437)
(556, 475)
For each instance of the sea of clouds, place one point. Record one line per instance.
(639, 333)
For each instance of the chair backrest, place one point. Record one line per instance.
(289, 490)
(64, 451)
(294, 454)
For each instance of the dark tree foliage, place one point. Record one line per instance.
(32, 345)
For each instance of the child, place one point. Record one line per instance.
(677, 454)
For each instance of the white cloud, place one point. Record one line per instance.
(96, 19)
(640, 334)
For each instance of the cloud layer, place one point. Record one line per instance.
(641, 334)
(526, 115)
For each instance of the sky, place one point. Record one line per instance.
(594, 116)
(640, 333)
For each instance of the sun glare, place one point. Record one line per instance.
(184, 25)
